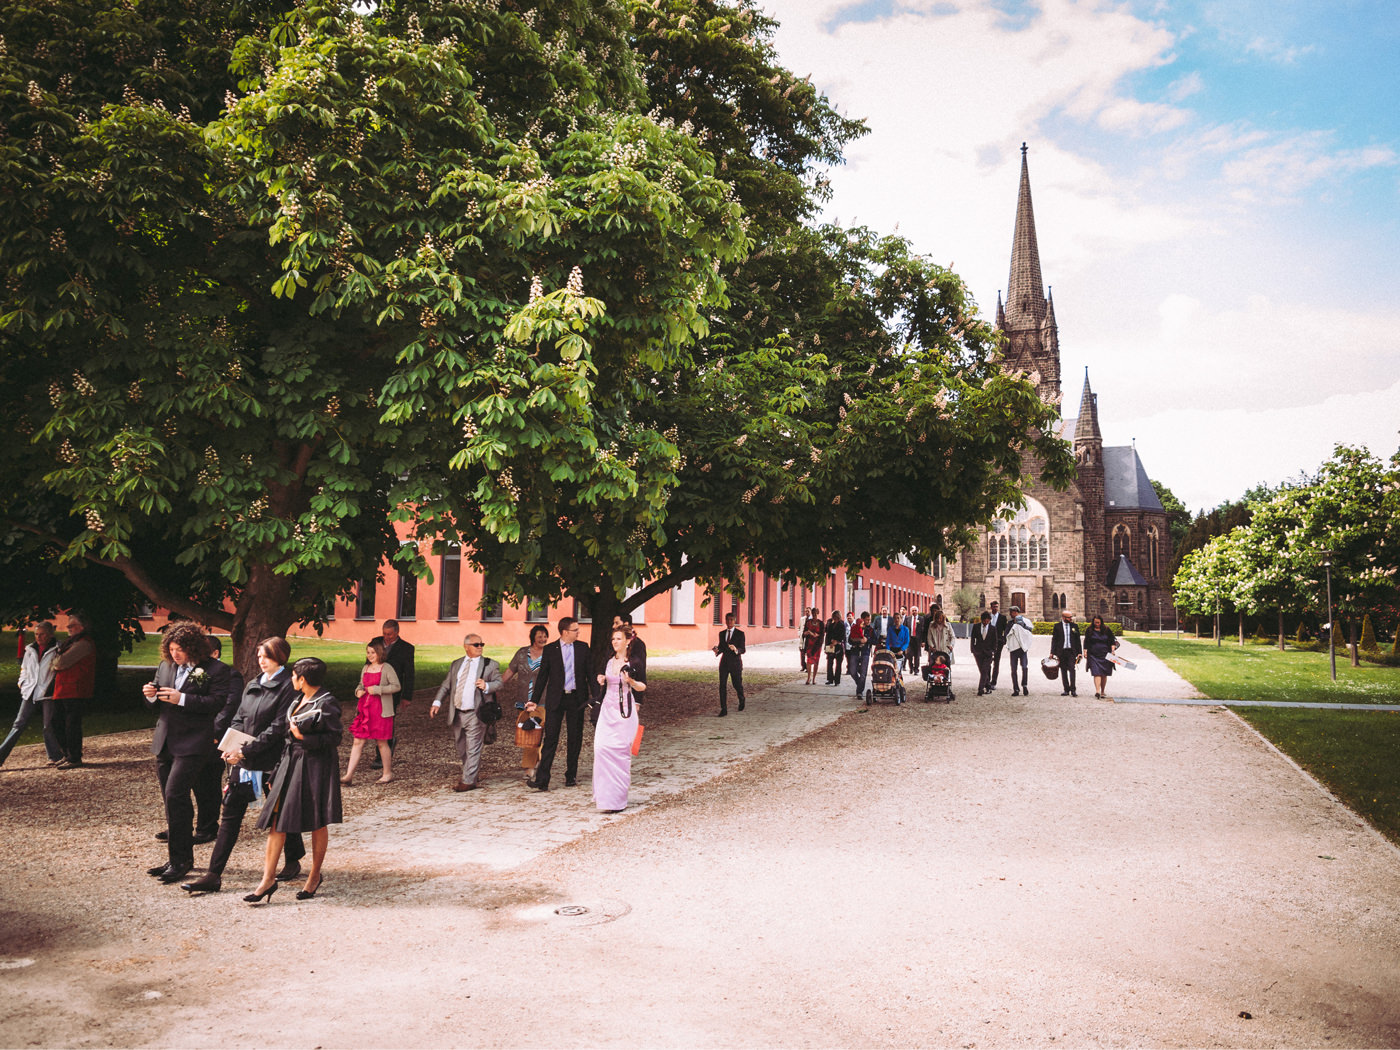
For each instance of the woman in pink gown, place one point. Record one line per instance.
(618, 718)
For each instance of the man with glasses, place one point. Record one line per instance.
(470, 680)
(563, 682)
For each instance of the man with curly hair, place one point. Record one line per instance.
(188, 692)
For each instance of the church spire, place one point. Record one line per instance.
(1087, 428)
(1001, 312)
(1025, 290)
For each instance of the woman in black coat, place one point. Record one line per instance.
(261, 714)
(305, 791)
(1098, 644)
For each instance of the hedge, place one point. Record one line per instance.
(1048, 626)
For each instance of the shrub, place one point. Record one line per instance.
(1368, 636)
(1048, 626)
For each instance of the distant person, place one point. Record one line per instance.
(562, 684)
(1066, 647)
(471, 678)
(36, 693)
(730, 650)
(188, 691)
(305, 792)
(857, 651)
(525, 666)
(619, 714)
(399, 655)
(376, 692)
(261, 714)
(984, 649)
(999, 626)
(636, 648)
(813, 630)
(835, 638)
(1099, 643)
(1018, 644)
(74, 680)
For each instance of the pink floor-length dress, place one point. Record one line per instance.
(612, 744)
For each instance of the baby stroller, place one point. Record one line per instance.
(939, 677)
(886, 683)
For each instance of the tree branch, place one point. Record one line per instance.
(143, 582)
(687, 571)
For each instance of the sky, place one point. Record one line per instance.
(1217, 199)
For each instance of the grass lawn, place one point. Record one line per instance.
(1355, 753)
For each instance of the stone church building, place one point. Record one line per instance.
(1101, 547)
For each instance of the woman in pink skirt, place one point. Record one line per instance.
(374, 719)
(617, 727)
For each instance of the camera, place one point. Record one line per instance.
(625, 669)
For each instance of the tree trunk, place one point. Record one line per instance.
(1280, 629)
(264, 610)
(603, 605)
(1355, 652)
(1241, 630)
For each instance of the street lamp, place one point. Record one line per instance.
(1160, 628)
(1331, 626)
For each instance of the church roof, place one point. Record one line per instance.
(1122, 574)
(1086, 427)
(1025, 288)
(1125, 482)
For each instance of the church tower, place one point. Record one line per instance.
(1027, 318)
(1088, 453)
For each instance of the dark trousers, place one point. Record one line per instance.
(996, 665)
(1067, 672)
(179, 775)
(730, 670)
(984, 670)
(913, 657)
(236, 802)
(1018, 658)
(27, 709)
(857, 663)
(833, 666)
(208, 793)
(68, 726)
(569, 713)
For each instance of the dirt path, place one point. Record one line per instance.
(996, 872)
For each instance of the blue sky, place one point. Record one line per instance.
(1216, 183)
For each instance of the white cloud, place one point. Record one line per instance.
(1182, 88)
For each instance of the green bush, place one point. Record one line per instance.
(1368, 642)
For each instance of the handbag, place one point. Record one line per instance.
(637, 740)
(527, 739)
(310, 720)
(489, 710)
(831, 648)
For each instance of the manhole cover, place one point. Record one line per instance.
(571, 909)
(590, 913)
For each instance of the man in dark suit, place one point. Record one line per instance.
(881, 626)
(399, 655)
(1000, 625)
(636, 648)
(562, 685)
(189, 691)
(209, 792)
(730, 650)
(1066, 647)
(984, 647)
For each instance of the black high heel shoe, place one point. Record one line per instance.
(306, 895)
(254, 898)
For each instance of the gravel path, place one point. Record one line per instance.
(998, 871)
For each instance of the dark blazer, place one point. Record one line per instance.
(549, 681)
(1060, 647)
(400, 657)
(262, 714)
(1001, 624)
(235, 697)
(637, 657)
(598, 690)
(189, 730)
(984, 639)
(727, 658)
(880, 627)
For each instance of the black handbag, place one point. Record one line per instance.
(489, 711)
(309, 719)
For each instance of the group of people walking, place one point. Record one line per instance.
(849, 642)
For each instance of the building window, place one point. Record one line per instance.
(1064, 603)
(450, 583)
(536, 611)
(717, 600)
(408, 596)
(493, 613)
(1018, 541)
(1152, 550)
(581, 613)
(683, 603)
(364, 599)
(753, 588)
(767, 600)
(1122, 542)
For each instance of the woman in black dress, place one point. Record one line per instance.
(1098, 643)
(305, 791)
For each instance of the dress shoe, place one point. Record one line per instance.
(530, 782)
(1064, 692)
(57, 761)
(201, 837)
(158, 870)
(175, 873)
(209, 884)
(540, 787)
(306, 895)
(462, 785)
(722, 713)
(571, 782)
(254, 898)
(1074, 692)
(1015, 692)
(741, 705)
(290, 870)
(162, 836)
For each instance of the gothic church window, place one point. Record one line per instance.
(1122, 542)
(1152, 550)
(1021, 540)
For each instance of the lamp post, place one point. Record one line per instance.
(1331, 625)
(1160, 628)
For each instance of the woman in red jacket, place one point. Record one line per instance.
(75, 670)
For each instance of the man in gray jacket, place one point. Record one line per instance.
(470, 681)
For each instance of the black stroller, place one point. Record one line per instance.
(886, 683)
(939, 676)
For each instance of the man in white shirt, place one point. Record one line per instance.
(470, 680)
